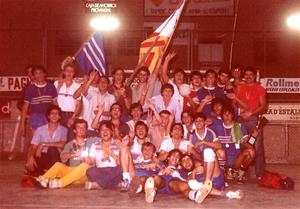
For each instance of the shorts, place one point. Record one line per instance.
(217, 182)
(145, 172)
(166, 189)
(107, 178)
(231, 153)
(36, 120)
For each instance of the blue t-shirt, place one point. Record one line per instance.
(224, 133)
(215, 92)
(40, 97)
(209, 136)
(217, 121)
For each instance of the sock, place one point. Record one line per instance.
(126, 176)
(192, 194)
(222, 163)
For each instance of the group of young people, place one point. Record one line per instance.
(149, 133)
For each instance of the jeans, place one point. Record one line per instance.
(250, 124)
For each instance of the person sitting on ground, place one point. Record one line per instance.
(111, 158)
(234, 137)
(176, 141)
(46, 143)
(75, 154)
(196, 187)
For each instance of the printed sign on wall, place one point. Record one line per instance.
(193, 7)
(283, 112)
(281, 85)
(13, 83)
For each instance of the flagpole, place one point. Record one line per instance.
(233, 34)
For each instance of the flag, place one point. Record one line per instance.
(91, 55)
(158, 40)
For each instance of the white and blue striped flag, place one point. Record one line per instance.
(91, 55)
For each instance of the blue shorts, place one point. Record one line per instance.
(144, 172)
(36, 120)
(217, 182)
(107, 178)
(231, 153)
(166, 189)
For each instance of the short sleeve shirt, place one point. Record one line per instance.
(205, 91)
(251, 94)
(102, 159)
(41, 135)
(209, 136)
(65, 99)
(71, 147)
(167, 145)
(40, 97)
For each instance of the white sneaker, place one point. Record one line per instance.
(54, 184)
(149, 190)
(194, 184)
(203, 191)
(43, 181)
(235, 194)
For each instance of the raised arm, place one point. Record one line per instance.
(164, 73)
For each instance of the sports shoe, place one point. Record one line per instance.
(135, 187)
(42, 181)
(235, 194)
(149, 190)
(203, 191)
(55, 184)
(194, 184)
(89, 185)
(124, 186)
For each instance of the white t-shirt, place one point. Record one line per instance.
(136, 151)
(177, 96)
(96, 152)
(167, 145)
(174, 106)
(94, 99)
(65, 99)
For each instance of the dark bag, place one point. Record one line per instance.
(276, 181)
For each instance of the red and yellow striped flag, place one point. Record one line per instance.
(158, 40)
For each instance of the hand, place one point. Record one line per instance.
(70, 122)
(255, 133)
(30, 164)
(122, 92)
(246, 114)
(39, 149)
(149, 117)
(150, 103)
(207, 99)
(172, 116)
(93, 75)
(199, 143)
(208, 121)
(170, 56)
(231, 96)
(100, 107)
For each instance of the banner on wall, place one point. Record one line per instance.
(193, 8)
(281, 85)
(13, 83)
(283, 112)
(4, 109)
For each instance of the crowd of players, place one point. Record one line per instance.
(149, 133)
